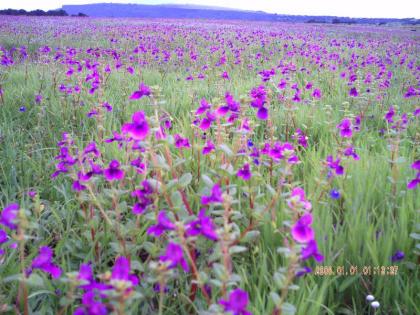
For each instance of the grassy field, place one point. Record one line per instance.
(129, 236)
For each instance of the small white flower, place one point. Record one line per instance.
(375, 304)
(370, 298)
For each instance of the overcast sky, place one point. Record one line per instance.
(352, 8)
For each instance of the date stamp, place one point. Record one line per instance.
(325, 271)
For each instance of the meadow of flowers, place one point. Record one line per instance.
(196, 167)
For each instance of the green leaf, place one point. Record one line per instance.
(251, 236)
(207, 180)
(226, 149)
(185, 180)
(288, 309)
(416, 236)
(275, 297)
(347, 282)
(35, 280)
(237, 249)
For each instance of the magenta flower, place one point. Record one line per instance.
(143, 196)
(181, 142)
(244, 172)
(353, 92)
(298, 200)
(416, 181)
(203, 225)
(237, 302)
(311, 250)
(282, 84)
(349, 151)
(208, 148)
(44, 262)
(262, 113)
(138, 129)
(281, 151)
(121, 271)
(225, 75)
(8, 216)
(143, 90)
(3, 236)
(204, 106)
(302, 231)
(345, 127)
(317, 93)
(92, 305)
(175, 256)
(91, 148)
(38, 98)
(335, 165)
(301, 138)
(215, 196)
(390, 114)
(163, 224)
(206, 121)
(114, 172)
(258, 96)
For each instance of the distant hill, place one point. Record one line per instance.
(206, 12)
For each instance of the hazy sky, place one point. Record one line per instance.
(353, 8)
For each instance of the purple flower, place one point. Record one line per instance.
(237, 302)
(143, 90)
(303, 271)
(302, 231)
(91, 148)
(3, 236)
(44, 262)
(204, 106)
(262, 113)
(282, 84)
(215, 196)
(316, 93)
(282, 151)
(416, 181)
(298, 200)
(203, 225)
(244, 172)
(353, 92)
(345, 127)
(175, 256)
(390, 114)
(163, 224)
(334, 194)
(181, 142)
(311, 250)
(113, 172)
(206, 121)
(8, 216)
(335, 165)
(209, 147)
(121, 271)
(38, 98)
(301, 137)
(398, 256)
(91, 306)
(351, 152)
(258, 96)
(138, 129)
(225, 75)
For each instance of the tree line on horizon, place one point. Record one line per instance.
(38, 12)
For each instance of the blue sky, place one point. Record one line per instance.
(352, 8)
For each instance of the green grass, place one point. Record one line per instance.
(364, 228)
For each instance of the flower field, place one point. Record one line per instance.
(208, 167)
